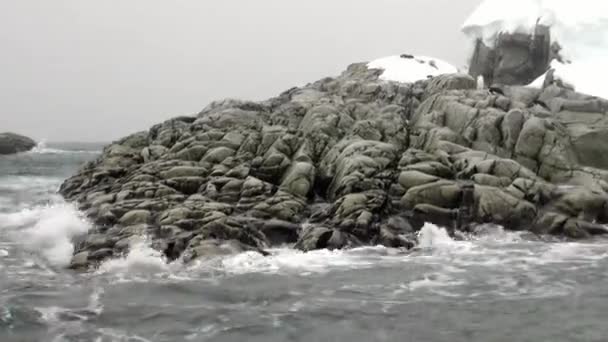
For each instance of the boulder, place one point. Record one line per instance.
(11, 143)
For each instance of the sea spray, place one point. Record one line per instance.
(47, 230)
(141, 259)
(431, 236)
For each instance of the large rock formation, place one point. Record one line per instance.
(11, 143)
(350, 161)
(514, 58)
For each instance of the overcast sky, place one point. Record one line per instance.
(84, 70)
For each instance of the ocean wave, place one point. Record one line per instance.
(434, 280)
(42, 148)
(47, 230)
(448, 264)
(15, 183)
(141, 259)
(431, 236)
(291, 260)
(432, 239)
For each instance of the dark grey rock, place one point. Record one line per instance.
(351, 161)
(11, 143)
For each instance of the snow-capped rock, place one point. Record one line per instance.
(409, 68)
(580, 28)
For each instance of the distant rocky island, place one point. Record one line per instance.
(11, 143)
(357, 160)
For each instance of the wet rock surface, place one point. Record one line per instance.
(350, 161)
(11, 143)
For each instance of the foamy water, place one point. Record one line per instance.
(43, 148)
(141, 259)
(492, 286)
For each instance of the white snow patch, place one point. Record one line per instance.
(581, 76)
(409, 70)
(580, 27)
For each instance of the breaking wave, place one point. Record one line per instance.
(141, 259)
(47, 230)
(434, 243)
(431, 236)
(43, 148)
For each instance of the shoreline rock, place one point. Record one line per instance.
(11, 143)
(350, 161)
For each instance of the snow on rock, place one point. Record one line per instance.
(579, 27)
(493, 17)
(585, 77)
(409, 69)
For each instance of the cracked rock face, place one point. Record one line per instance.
(350, 161)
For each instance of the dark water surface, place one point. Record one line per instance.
(496, 287)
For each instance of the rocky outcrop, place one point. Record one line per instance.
(514, 58)
(11, 143)
(350, 161)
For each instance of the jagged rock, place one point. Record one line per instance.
(183, 171)
(11, 143)
(499, 207)
(449, 82)
(445, 194)
(280, 232)
(80, 260)
(321, 237)
(136, 217)
(351, 161)
(394, 233)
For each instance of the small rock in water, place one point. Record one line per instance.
(11, 143)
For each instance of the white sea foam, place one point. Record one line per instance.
(42, 148)
(290, 260)
(434, 280)
(574, 252)
(431, 236)
(497, 234)
(95, 305)
(47, 230)
(141, 259)
(117, 335)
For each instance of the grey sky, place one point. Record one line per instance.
(80, 70)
